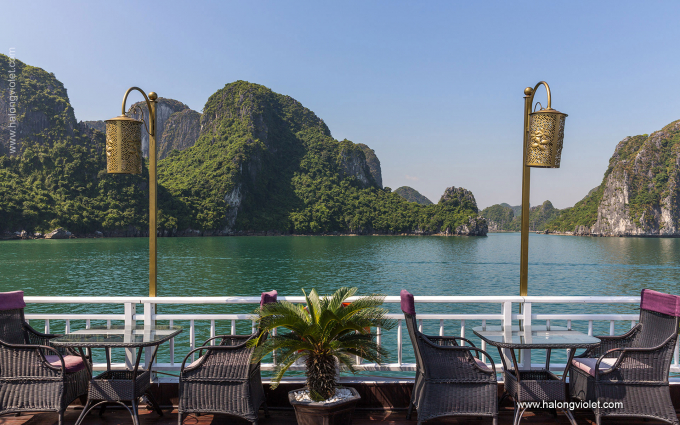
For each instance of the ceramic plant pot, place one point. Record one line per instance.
(314, 413)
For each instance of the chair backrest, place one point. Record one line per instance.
(12, 317)
(409, 309)
(659, 313)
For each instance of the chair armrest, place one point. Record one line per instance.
(444, 339)
(31, 361)
(443, 359)
(34, 335)
(610, 342)
(638, 364)
(245, 338)
(39, 338)
(220, 363)
(208, 348)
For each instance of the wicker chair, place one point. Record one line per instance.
(450, 379)
(632, 368)
(34, 376)
(223, 380)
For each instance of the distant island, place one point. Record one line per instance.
(412, 195)
(252, 162)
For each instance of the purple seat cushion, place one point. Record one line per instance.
(407, 304)
(268, 297)
(588, 364)
(660, 302)
(12, 300)
(72, 363)
(195, 362)
(481, 364)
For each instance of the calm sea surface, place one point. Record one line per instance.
(223, 266)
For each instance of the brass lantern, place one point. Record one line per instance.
(546, 133)
(124, 145)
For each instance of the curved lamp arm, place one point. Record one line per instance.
(533, 92)
(152, 118)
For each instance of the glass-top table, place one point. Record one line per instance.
(118, 386)
(537, 337)
(118, 336)
(530, 385)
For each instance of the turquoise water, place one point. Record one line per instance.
(224, 266)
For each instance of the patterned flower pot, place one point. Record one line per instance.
(313, 413)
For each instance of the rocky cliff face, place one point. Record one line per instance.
(353, 162)
(458, 196)
(373, 164)
(178, 126)
(639, 193)
(95, 125)
(181, 132)
(34, 107)
(170, 113)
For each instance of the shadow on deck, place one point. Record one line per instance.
(287, 417)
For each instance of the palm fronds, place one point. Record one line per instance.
(327, 333)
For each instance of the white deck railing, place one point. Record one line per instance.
(506, 312)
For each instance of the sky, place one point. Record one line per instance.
(434, 87)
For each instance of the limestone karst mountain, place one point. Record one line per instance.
(504, 218)
(638, 195)
(34, 109)
(412, 195)
(254, 161)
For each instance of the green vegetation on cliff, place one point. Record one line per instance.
(500, 214)
(584, 213)
(66, 185)
(412, 195)
(504, 216)
(265, 162)
(262, 162)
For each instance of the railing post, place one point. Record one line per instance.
(149, 320)
(130, 311)
(525, 355)
(506, 311)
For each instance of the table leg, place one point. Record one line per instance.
(514, 364)
(152, 401)
(569, 416)
(135, 414)
(87, 364)
(566, 368)
(88, 406)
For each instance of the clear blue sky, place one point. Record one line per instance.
(435, 87)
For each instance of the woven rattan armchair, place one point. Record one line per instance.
(223, 380)
(34, 376)
(451, 380)
(632, 368)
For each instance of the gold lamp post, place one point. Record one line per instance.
(124, 156)
(543, 136)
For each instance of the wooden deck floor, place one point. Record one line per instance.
(287, 417)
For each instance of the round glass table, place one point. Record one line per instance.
(119, 386)
(526, 386)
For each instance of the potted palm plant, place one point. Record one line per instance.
(328, 334)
